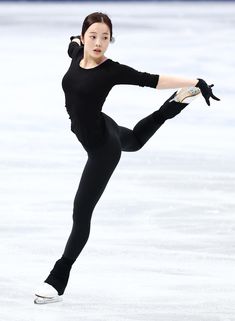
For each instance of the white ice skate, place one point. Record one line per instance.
(187, 94)
(46, 294)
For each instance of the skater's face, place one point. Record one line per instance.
(96, 39)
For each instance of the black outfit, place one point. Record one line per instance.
(85, 93)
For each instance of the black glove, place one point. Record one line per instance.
(206, 91)
(77, 37)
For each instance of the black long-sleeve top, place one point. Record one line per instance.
(86, 90)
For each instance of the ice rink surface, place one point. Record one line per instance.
(162, 243)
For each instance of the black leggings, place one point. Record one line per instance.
(96, 174)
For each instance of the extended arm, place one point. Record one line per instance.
(171, 82)
(167, 82)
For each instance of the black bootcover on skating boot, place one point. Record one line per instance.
(59, 275)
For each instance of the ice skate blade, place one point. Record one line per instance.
(44, 300)
(187, 95)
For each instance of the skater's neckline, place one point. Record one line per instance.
(92, 68)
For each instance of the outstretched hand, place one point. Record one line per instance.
(206, 91)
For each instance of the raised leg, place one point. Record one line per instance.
(133, 140)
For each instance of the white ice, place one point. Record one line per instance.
(162, 243)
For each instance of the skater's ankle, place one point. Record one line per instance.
(59, 275)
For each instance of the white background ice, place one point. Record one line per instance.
(162, 244)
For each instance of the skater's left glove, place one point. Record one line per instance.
(76, 37)
(206, 90)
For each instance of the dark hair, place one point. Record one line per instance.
(97, 17)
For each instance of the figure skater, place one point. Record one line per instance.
(86, 85)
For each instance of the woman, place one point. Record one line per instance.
(86, 85)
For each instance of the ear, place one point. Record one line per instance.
(82, 39)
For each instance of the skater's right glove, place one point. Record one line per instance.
(77, 37)
(206, 90)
